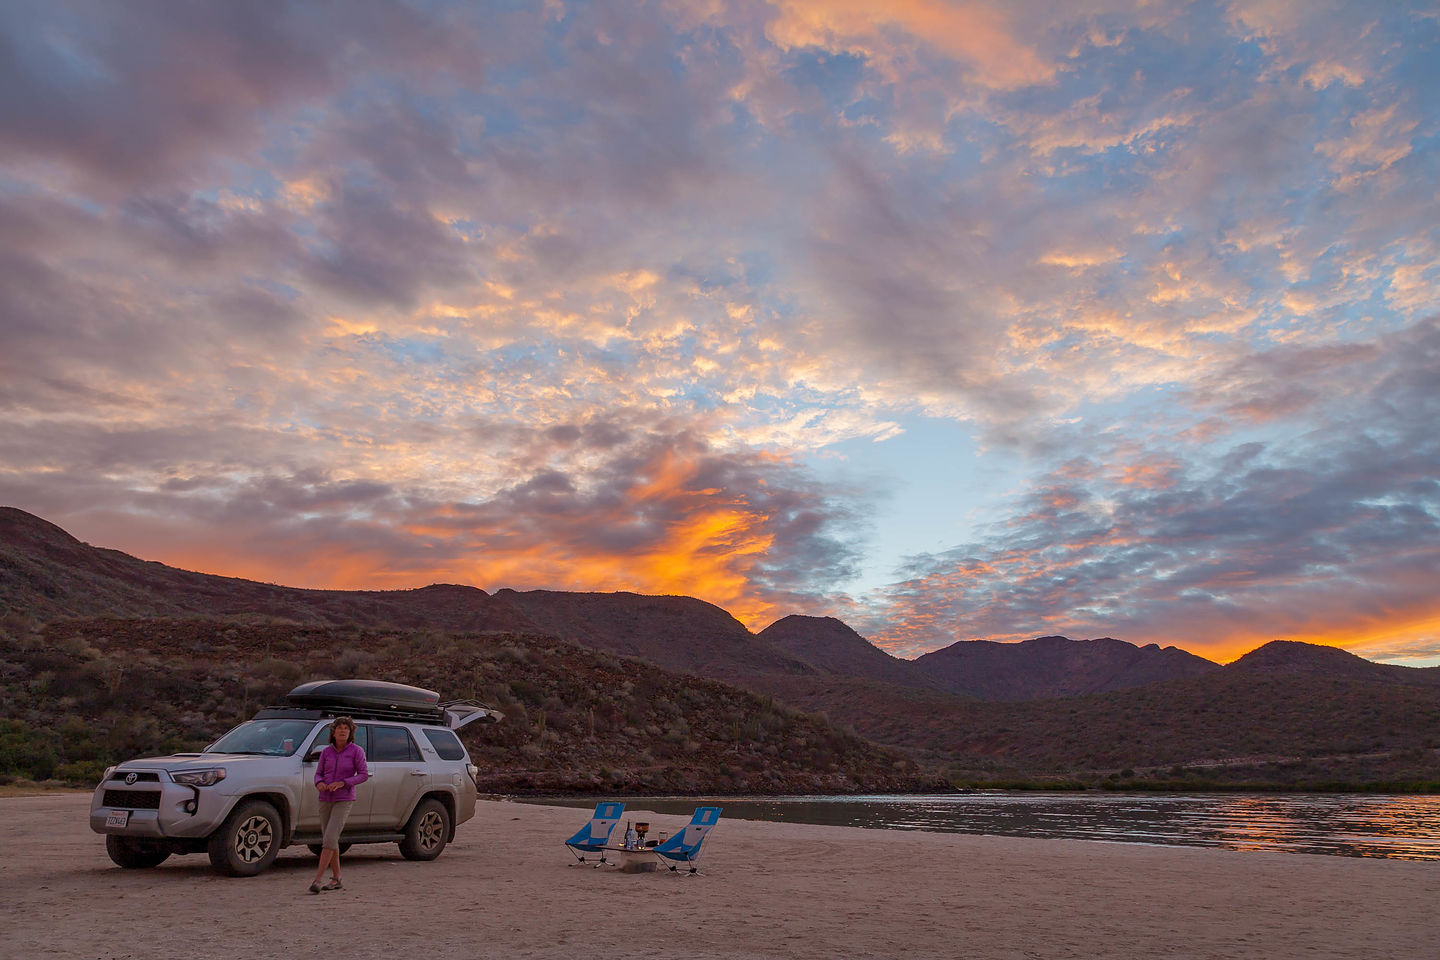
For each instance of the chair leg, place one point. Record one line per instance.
(580, 860)
(694, 871)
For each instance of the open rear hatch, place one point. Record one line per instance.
(460, 712)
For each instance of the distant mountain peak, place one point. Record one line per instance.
(833, 646)
(1298, 655)
(1055, 666)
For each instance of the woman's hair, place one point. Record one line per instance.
(345, 721)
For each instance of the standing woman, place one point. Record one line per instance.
(340, 770)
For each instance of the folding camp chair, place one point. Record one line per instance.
(594, 835)
(684, 847)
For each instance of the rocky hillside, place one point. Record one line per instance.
(81, 694)
(613, 686)
(1233, 724)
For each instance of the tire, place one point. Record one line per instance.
(133, 854)
(427, 832)
(247, 842)
(315, 847)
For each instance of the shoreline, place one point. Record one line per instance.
(504, 889)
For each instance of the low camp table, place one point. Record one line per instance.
(640, 860)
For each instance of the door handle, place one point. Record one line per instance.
(417, 773)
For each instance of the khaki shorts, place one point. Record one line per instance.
(333, 814)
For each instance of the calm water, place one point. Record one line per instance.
(1340, 825)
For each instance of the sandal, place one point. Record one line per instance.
(315, 887)
(333, 885)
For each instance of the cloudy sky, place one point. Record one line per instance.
(953, 320)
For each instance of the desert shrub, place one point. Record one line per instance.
(81, 773)
(525, 690)
(352, 662)
(15, 625)
(27, 751)
(283, 672)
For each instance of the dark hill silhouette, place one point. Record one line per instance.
(678, 633)
(831, 647)
(1049, 667)
(1293, 657)
(49, 574)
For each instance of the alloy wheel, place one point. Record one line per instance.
(253, 838)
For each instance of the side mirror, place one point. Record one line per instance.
(313, 756)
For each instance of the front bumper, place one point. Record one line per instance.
(156, 809)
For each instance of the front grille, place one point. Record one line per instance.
(133, 799)
(141, 776)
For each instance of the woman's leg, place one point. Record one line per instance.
(325, 856)
(327, 849)
(339, 813)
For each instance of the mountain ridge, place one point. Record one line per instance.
(46, 572)
(1284, 703)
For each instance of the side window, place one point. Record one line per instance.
(446, 744)
(391, 744)
(322, 739)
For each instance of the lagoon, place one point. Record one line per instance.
(1352, 825)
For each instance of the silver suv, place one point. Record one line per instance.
(252, 792)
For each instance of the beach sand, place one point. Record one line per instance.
(503, 889)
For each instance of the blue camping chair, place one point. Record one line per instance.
(594, 835)
(684, 847)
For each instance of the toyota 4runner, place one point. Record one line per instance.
(252, 792)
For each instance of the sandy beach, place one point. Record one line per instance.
(503, 889)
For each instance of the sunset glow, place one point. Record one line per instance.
(954, 320)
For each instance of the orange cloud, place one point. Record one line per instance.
(972, 34)
(669, 531)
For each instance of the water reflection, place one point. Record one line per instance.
(1341, 825)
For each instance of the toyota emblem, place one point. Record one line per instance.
(131, 778)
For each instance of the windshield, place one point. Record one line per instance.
(276, 738)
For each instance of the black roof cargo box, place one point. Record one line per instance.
(368, 697)
(383, 700)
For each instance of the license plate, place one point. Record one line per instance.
(117, 818)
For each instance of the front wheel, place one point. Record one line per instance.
(427, 832)
(133, 854)
(247, 842)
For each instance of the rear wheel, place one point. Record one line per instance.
(135, 854)
(247, 842)
(427, 832)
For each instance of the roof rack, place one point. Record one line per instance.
(433, 717)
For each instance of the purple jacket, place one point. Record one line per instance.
(347, 765)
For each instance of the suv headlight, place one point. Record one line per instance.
(200, 778)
